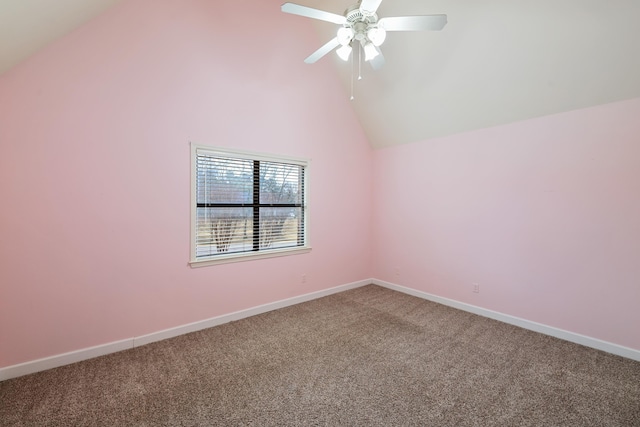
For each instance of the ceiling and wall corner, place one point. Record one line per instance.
(496, 62)
(27, 26)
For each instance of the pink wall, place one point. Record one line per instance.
(94, 184)
(544, 215)
(94, 170)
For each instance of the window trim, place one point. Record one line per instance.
(245, 256)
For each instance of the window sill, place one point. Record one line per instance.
(226, 259)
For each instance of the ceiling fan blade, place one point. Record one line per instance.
(310, 12)
(370, 5)
(378, 61)
(328, 47)
(414, 23)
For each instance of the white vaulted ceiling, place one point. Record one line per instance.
(496, 61)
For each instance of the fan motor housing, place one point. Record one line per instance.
(355, 15)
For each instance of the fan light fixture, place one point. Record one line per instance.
(359, 24)
(370, 51)
(345, 34)
(376, 35)
(344, 52)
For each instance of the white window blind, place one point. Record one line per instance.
(247, 204)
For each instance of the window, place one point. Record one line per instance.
(246, 206)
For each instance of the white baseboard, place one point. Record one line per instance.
(104, 349)
(219, 320)
(517, 321)
(63, 359)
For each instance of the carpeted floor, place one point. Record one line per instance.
(365, 357)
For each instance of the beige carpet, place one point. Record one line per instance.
(365, 357)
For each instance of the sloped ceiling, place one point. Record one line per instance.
(496, 62)
(27, 26)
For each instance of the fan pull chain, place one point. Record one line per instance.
(352, 72)
(360, 62)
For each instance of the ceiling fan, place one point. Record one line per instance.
(360, 24)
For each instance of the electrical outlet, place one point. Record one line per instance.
(476, 288)
(304, 278)
(397, 271)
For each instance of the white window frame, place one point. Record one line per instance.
(245, 256)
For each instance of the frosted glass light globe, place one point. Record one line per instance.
(376, 36)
